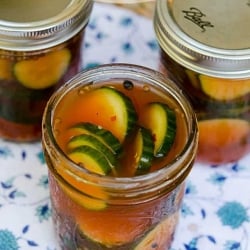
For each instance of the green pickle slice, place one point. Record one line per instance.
(104, 135)
(224, 89)
(44, 71)
(92, 159)
(110, 110)
(161, 120)
(144, 150)
(139, 152)
(91, 141)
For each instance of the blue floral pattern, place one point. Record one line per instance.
(118, 36)
(215, 213)
(25, 212)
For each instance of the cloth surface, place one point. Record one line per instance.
(215, 214)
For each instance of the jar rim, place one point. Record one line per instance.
(121, 71)
(193, 52)
(41, 34)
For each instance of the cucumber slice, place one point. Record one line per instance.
(92, 141)
(160, 236)
(123, 110)
(161, 120)
(224, 89)
(139, 152)
(44, 71)
(90, 203)
(109, 109)
(144, 150)
(91, 159)
(229, 132)
(104, 135)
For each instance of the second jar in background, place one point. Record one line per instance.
(208, 55)
(40, 48)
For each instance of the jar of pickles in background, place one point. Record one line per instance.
(205, 48)
(117, 171)
(40, 48)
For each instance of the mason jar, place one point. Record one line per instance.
(205, 49)
(40, 48)
(131, 206)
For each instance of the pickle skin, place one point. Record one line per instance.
(139, 150)
(161, 120)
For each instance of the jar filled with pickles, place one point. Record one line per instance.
(117, 170)
(40, 48)
(205, 49)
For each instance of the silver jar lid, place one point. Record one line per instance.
(209, 37)
(29, 25)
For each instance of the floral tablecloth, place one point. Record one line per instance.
(215, 214)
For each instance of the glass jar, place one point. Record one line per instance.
(98, 211)
(208, 55)
(40, 48)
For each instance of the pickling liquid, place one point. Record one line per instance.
(75, 108)
(87, 219)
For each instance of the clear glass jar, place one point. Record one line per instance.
(94, 211)
(208, 55)
(40, 48)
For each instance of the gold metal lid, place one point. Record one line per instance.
(209, 37)
(30, 25)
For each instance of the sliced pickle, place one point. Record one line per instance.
(228, 132)
(104, 135)
(92, 141)
(139, 152)
(110, 109)
(44, 71)
(161, 120)
(224, 89)
(91, 159)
